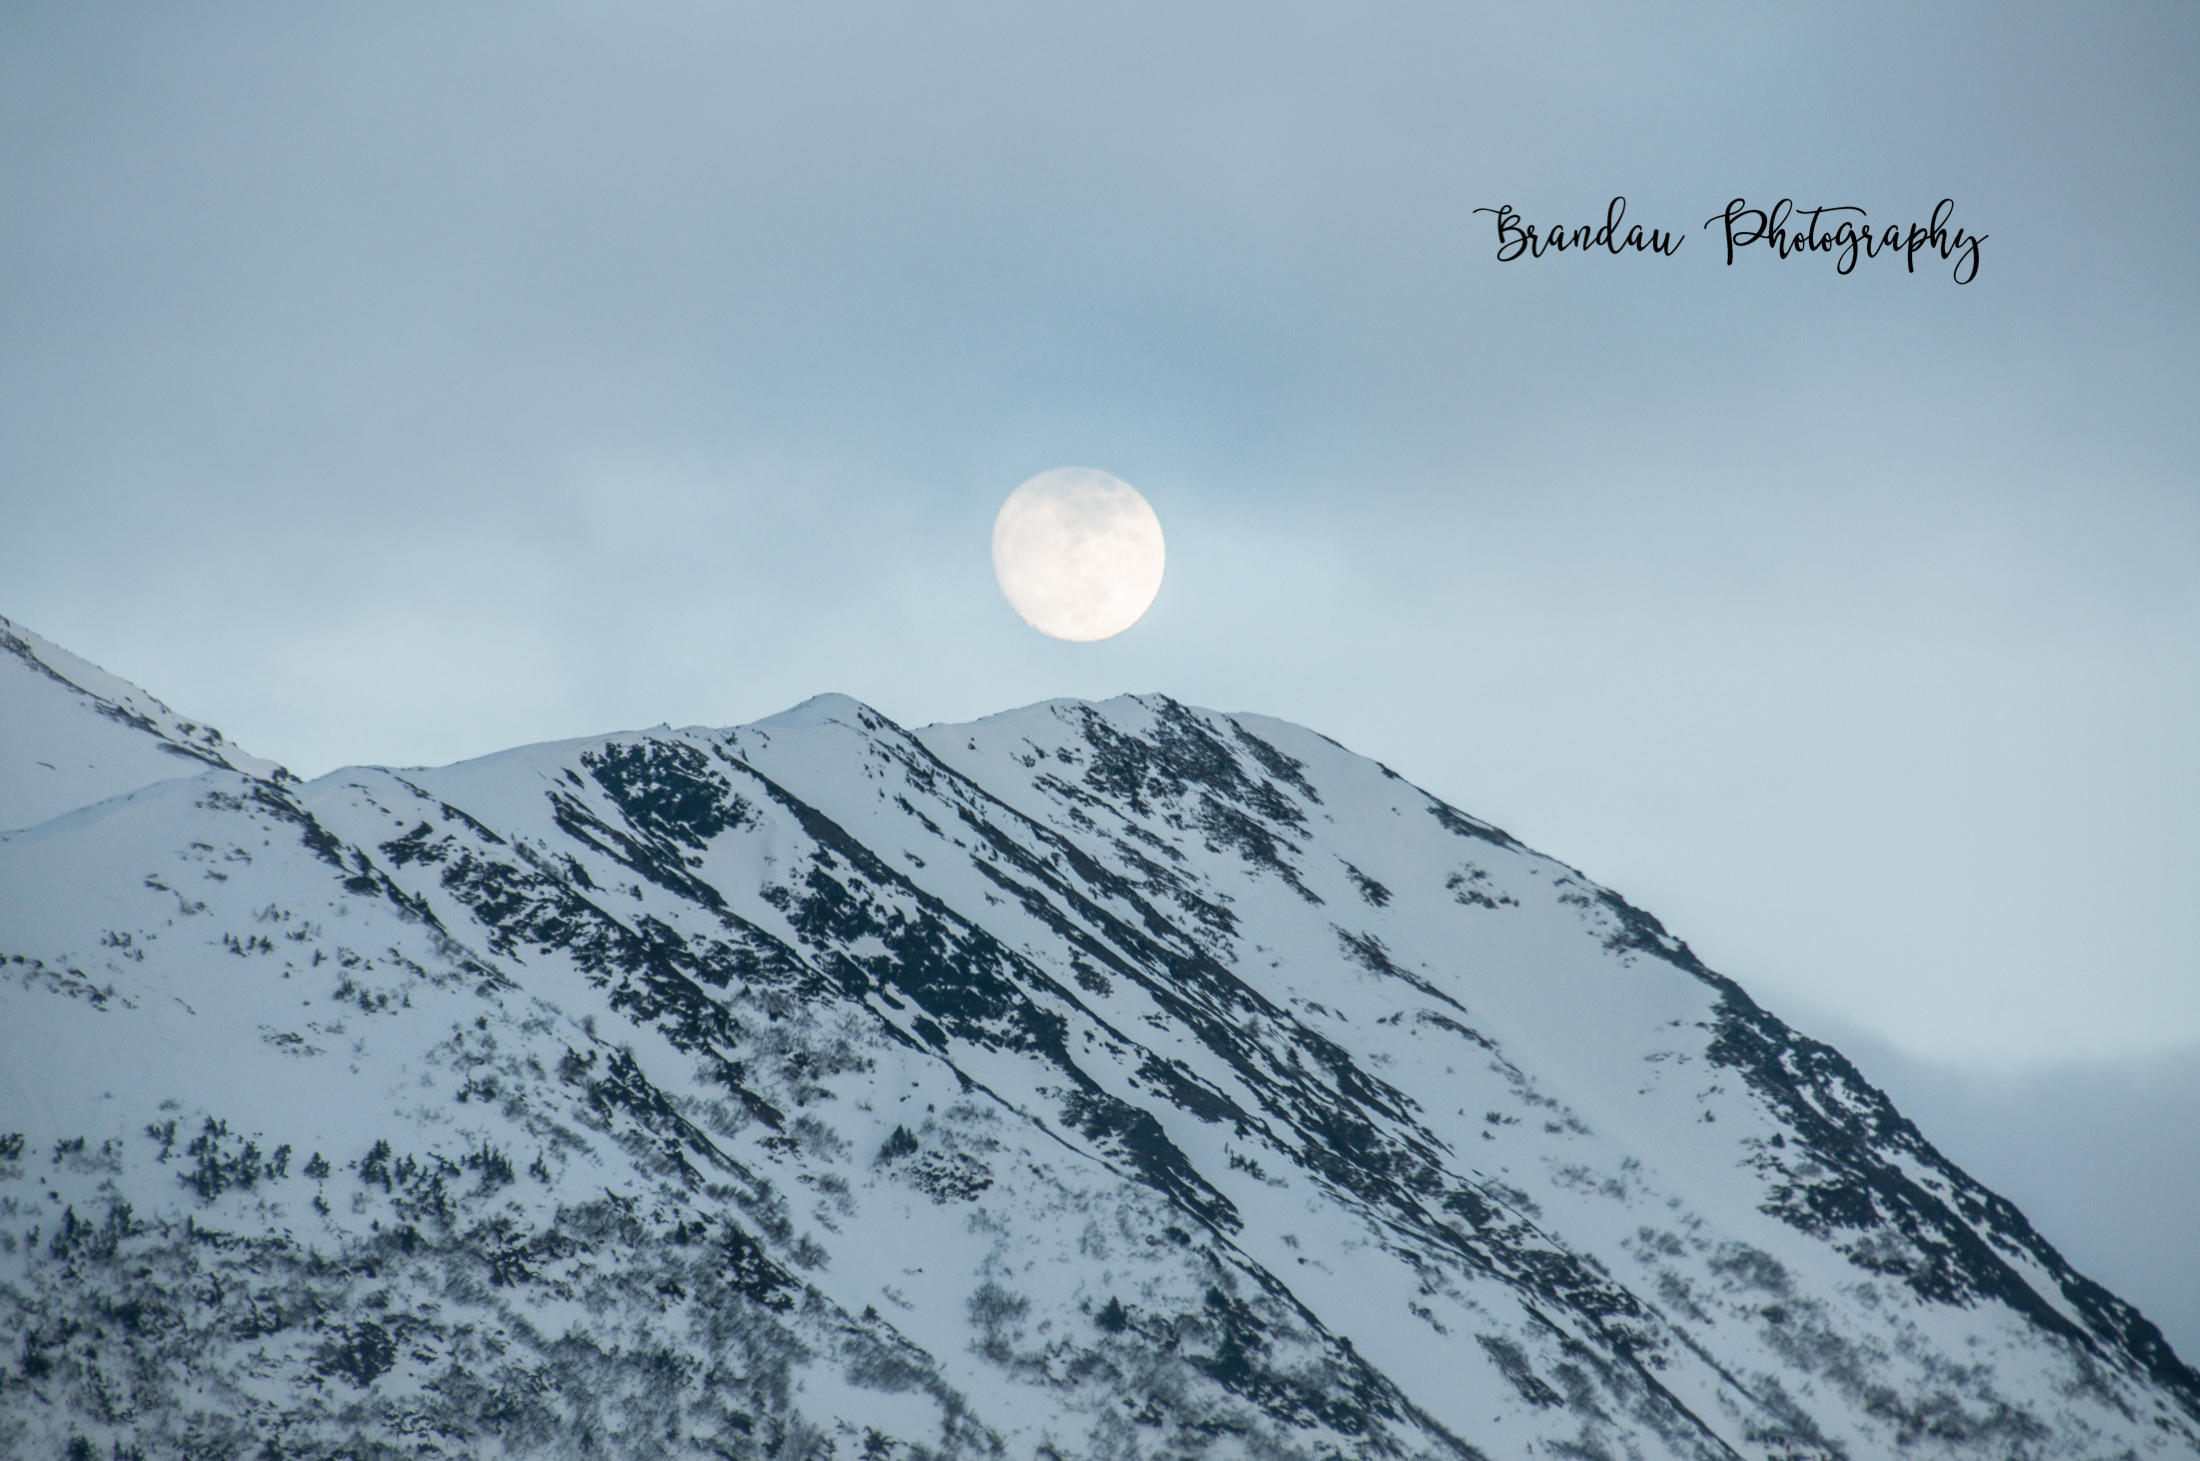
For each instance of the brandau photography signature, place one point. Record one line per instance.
(1785, 229)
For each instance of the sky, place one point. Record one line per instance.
(396, 384)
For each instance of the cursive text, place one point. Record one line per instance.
(1515, 238)
(1848, 238)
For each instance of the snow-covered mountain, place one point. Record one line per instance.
(71, 734)
(1094, 1080)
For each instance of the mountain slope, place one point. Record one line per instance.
(1093, 1080)
(71, 734)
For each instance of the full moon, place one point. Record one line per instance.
(1078, 553)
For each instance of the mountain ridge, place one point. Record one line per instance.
(130, 740)
(1165, 959)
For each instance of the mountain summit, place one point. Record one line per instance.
(1094, 1080)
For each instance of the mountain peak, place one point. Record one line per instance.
(72, 734)
(1110, 1078)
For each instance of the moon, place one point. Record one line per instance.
(1078, 553)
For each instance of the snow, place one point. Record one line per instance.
(1119, 1078)
(71, 734)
